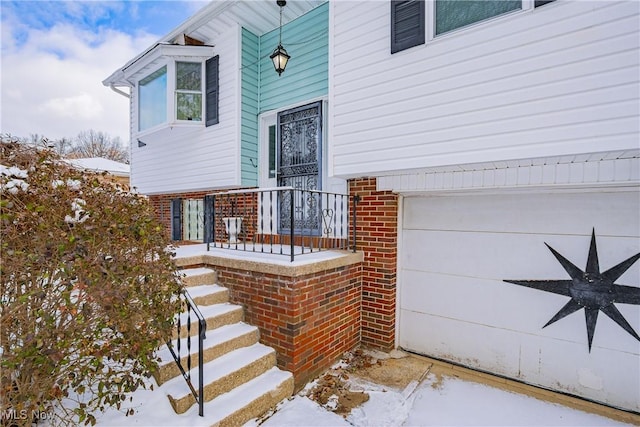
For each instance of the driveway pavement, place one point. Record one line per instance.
(408, 390)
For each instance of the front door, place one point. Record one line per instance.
(299, 160)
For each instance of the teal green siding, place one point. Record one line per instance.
(306, 39)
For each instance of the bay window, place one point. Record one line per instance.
(177, 89)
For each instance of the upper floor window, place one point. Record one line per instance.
(189, 91)
(152, 104)
(454, 14)
(409, 22)
(177, 88)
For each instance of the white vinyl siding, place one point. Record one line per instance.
(199, 158)
(557, 80)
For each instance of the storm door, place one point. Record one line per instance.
(299, 160)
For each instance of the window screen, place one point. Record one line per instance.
(188, 91)
(454, 14)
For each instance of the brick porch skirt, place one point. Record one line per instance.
(310, 313)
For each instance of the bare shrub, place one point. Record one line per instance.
(88, 289)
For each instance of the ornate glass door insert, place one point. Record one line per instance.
(299, 160)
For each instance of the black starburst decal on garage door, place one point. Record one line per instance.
(591, 290)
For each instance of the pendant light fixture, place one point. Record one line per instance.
(280, 55)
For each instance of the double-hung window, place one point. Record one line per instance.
(189, 91)
(410, 27)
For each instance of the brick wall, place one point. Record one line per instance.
(162, 206)
(377, 236)
(244, 205)
(310, 320)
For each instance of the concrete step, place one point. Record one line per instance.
(241, 381)
(250, 400)
(219, 342)
(208, 294)
(199, 276)
(216, 315)
(221, 375)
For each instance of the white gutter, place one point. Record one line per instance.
(116, 90)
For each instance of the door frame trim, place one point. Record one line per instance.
(265, 119)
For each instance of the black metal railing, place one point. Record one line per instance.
(190, 307)
(282, 220)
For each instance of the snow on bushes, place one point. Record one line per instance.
(82, 310)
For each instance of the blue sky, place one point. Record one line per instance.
(132, 17)
(55, 55)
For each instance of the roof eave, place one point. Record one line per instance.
(117, 78)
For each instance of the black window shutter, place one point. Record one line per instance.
(407, 24)
(176, 219)
(212, 68)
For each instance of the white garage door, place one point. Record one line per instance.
(456, 252)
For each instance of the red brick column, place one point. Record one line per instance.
(377, 236)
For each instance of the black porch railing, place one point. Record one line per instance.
(190, 307)
(282, 220)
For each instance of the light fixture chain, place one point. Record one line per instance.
(280, 35)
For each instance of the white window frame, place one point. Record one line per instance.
(200, 92)
(171, 117)
(167, 55)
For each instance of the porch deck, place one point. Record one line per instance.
(260, 254)
(282, 221)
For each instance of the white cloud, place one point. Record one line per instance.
(79, 107)
(52, 82)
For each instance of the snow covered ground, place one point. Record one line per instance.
(449, 402)
(446, 401)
